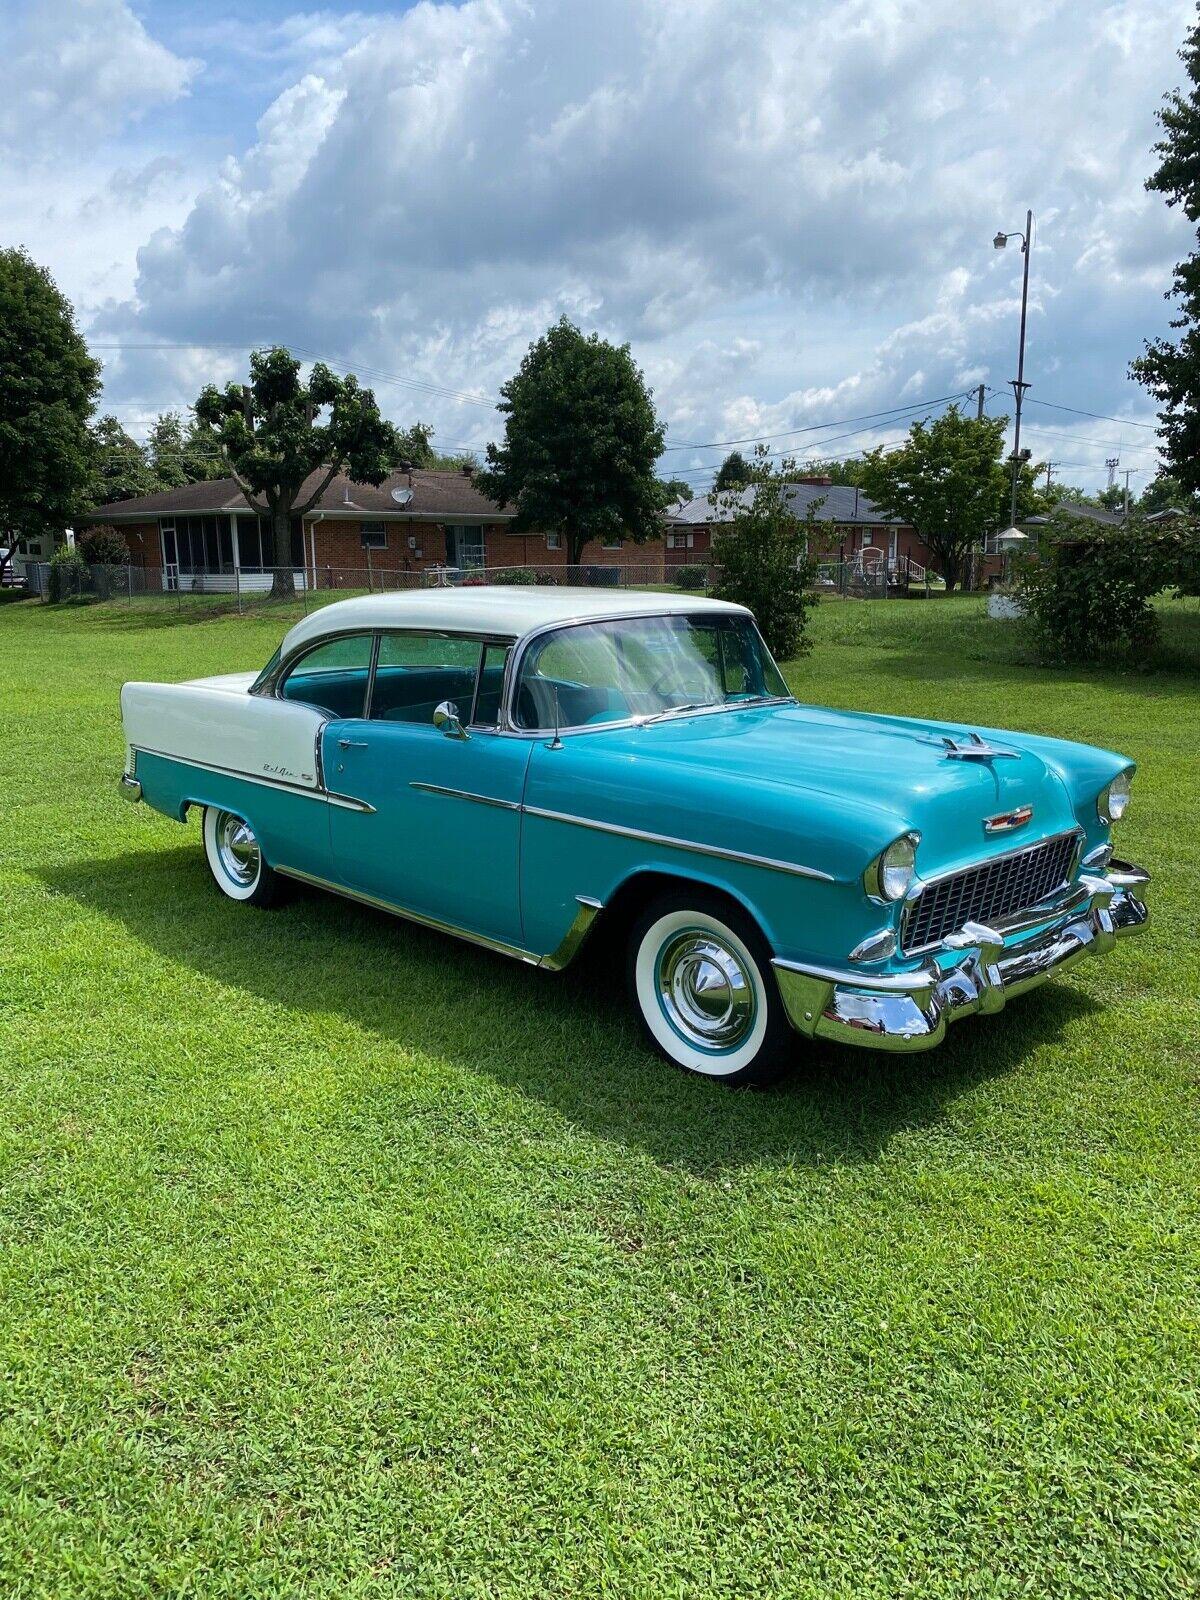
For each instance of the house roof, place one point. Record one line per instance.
(1084, 511)
(436, 496)
(834, 502)
(510, 611)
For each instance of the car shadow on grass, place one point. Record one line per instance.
(568, 1040)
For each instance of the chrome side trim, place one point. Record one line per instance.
(346, 801)
(488, 943)
(465, 794)
(589, 910)
(680, 844)
(131, 789)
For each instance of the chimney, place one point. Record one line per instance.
(818, 480)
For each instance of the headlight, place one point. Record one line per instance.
(1114, 801)
(890, 875)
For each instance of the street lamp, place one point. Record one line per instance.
(1018, 383)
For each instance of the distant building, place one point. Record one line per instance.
(204, 533)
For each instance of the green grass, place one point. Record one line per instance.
(339, 1259)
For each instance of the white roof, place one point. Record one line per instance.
(509, 610)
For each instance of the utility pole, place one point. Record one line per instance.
(1050, 466)
(979, 405)
(1128, 475)
(1112, 463)
(1018, 383)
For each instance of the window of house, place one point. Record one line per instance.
(553, 541)
(464, 547)
(373, 535)
(611, 543)
(333, 676)
(680, 541)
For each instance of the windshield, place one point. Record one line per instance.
(643, 667)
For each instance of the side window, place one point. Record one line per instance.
(415, 672)
(333, 677)
(491, 685)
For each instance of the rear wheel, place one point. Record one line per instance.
(236, 862)
(700, 976)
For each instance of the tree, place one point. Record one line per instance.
(949, 482)
(271, 436)
(1165, 493)
(48, 386)
(762, 552)
(674, 490)
(848, 473)
(1170, 368)
(119, 466)
(734, 472)
(580, 442)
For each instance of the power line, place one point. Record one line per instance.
(817, 427)
(1100, 416)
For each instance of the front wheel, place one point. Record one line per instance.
(700, 976)
(235, 860)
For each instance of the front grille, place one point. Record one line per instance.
(995, 889)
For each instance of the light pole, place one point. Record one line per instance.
(1018, 383)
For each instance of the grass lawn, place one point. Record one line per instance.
(341, 1259)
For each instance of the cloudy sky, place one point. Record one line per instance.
(787, 210)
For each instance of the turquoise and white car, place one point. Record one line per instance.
(518, 765)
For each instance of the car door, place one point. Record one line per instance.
(442, 836)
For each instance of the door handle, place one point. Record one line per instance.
(352, 744)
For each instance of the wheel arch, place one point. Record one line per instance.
(643, 884)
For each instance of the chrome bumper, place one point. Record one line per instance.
(912, 1010)
(131, 789)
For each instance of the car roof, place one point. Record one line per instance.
(509, 611)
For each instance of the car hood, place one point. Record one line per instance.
(897, 768)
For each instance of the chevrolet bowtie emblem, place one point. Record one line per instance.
(1004, 821)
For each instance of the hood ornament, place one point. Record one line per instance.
(976, 750)
(1005, 821)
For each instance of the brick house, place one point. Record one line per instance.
(204, 533)
(849, 523)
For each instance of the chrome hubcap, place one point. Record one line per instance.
(237, 848)
(705, 991)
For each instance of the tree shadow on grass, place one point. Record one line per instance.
(567, 1040)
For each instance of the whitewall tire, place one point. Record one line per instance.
(235, 860)
(700, 976)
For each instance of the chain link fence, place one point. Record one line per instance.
(240, 588)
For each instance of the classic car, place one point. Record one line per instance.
(520, 765)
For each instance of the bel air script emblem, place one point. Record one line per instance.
(1005, 821)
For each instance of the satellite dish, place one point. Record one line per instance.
(402, 497)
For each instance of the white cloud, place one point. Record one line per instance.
(77, 70)
(788, 212)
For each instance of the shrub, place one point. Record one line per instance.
(762, 553)
(691, 577)
(103, 546)
(519, 575)
(69, 576)
(1088, 598)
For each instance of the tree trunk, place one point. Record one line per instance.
(951, 566)
(575, 544)
(283, 582)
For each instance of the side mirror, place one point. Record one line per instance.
(445, 718)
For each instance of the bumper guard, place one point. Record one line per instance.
(908, 1011)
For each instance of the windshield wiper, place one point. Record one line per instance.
(679, 711)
